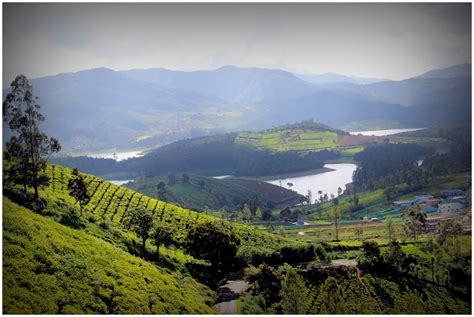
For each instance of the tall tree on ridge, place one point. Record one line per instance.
(28, 150)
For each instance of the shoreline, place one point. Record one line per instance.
(286, 175)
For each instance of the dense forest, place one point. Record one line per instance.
(386, 165)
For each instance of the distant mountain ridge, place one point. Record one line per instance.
(229, 83)
(103, 109)
(337, 78)
(463, 70)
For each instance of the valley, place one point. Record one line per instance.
(237, 158)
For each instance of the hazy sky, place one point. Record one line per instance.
(395, 40)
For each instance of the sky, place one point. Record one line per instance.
(389, 40)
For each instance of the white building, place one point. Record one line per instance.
(423, 199)
(450, 207)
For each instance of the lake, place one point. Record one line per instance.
(328, 182)
(118, 156)
(120, 182)
(384, 132)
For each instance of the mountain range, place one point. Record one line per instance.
(101, 109)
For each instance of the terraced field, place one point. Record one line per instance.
(290, 140)
(111, 202)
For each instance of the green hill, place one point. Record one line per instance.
(229, 193)
(51, 268)
(302, 136)
(290, 140)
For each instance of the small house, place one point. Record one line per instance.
(423, 199)
(403, 203)
(430, 209)
(451, 192)
(450, 207)
(461, 199)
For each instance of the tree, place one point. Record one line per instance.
(325, 197)
(335, 201)
(309, 197)
(162, 235)
(78, 189)
(213, 242)
(289, 185)
(141, 221)
(161, 189)
(294, 293)
(339, 191)
(247, 213)
(266, 282)
(258, 213)
(319, 209)
(389, 226)
(448, 229)
(331, 298)
(28, 150)
(416, 222)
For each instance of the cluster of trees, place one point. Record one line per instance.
(251, 212)
(385, 165)
(281, 291)
(309, 124)
(285, 291)
(146, 226)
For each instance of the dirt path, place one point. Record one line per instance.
(228, 294)
(229, 307)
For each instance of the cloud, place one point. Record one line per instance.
(391, 40)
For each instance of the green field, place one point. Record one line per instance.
(352, 151)
(289, 140)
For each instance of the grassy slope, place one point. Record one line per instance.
(215, 193)
(51, 268)
(289, 140)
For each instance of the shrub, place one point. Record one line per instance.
(295, 254)
(254, 255)
(71, 218)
